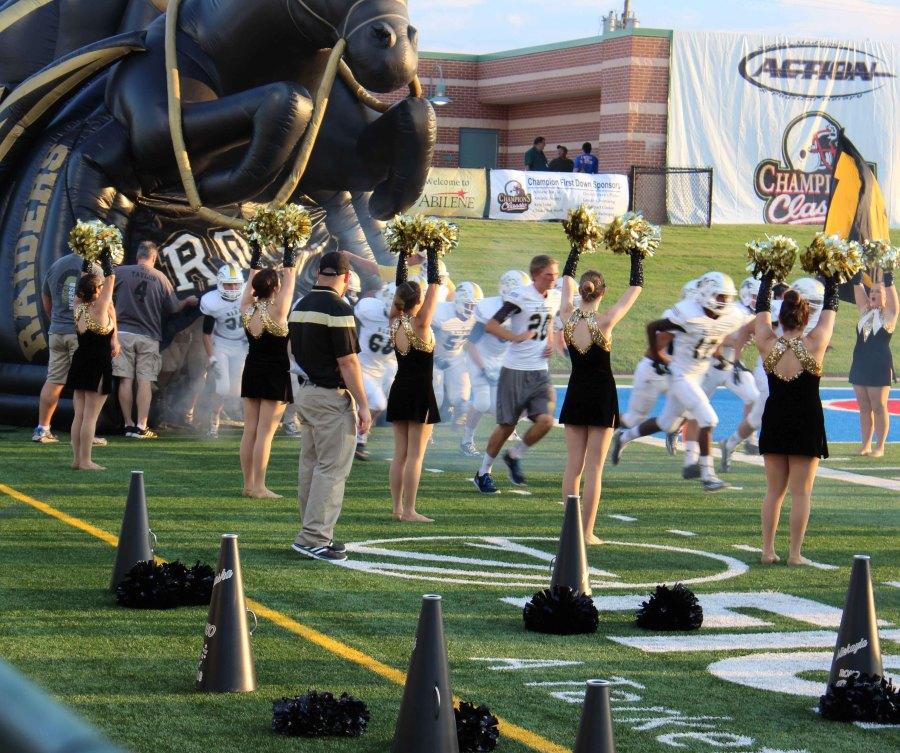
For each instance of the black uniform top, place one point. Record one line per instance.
(322, 330)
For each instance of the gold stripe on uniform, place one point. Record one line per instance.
(317, 317)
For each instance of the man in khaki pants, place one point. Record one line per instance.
(331, 404)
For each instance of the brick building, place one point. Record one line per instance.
(611, 90)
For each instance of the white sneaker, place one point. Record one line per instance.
(43, 436)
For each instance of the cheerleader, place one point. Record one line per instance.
(872, 370)
(90, 376)
(590, 411)
(266, 381)
(792, 436)
(411, 406)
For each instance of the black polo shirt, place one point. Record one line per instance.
(322, 329)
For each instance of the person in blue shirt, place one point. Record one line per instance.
(586, 162)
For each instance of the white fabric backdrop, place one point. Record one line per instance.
(521, 195)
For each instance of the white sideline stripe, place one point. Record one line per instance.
(742, 641)
(757, 550)
(892, 583)
(680, 533)
(623, 518)
(433, 470)
(876, 726)
(520, 492)
(829, 473)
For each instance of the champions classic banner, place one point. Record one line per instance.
(521, 195)
(453, 192)
(765, 113)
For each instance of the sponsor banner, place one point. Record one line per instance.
(521, 195)
(765, 112)
(453, 192)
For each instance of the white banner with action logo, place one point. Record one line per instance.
(764, 113)
(521, 195)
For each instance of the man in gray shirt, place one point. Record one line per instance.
(58, 298)
(143, 295)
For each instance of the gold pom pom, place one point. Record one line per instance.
(264, 227)
(296, 225)
(775, 255)
(830, 256)
(880, 255)
(632, 234)
(90, 240)
(406, 235)
(583, 230)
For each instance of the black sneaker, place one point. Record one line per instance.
(691, 471)
(714, 484)
(338, 546)
(617, 446)
(361, 452)
(514, 469)
(484, 483)
(129, 430)
(324, 553)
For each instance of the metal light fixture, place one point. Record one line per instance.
(439, 98)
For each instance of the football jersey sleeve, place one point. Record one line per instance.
(207, 303)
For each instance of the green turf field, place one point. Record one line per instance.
(132, 673)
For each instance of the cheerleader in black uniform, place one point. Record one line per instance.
(266, 383)
(872, 370)
(90, 375)
(792, 435)
(411, 407)
(590, 411)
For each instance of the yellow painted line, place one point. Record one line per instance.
(339, 649)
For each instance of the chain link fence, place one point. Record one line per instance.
(673, 195)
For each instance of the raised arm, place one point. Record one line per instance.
(820, 336)
(567, 304)
(617, 311)
(426, 313)
(247, 295)
(859, 293)
(765, 335)
(891, 304)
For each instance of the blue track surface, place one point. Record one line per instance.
(840, 425)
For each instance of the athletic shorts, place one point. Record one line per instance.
(528, 392)
(139, 357)
(62, 348)
(686, 399)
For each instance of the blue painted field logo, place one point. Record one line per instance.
(815, 70)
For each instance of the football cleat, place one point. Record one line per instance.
(485, 483)
(691, 471)
(672, 442)
(714, 484)
(514, 469)
(617, 446)
(726, 455)
(469, 450)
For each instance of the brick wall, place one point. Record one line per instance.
(612, 92)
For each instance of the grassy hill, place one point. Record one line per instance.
(489, 248)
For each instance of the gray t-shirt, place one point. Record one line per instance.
(59, 286)
(142, 296)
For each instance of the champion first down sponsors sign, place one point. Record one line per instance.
(765, 112)
(521, 195)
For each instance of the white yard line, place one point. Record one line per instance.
(678, 532)
(623, 518)
(829, 473)
(892, 583)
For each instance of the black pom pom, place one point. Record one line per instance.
(562, 611)
(866, 698)
(149, 585)
(671, 609)
(476, 728)
(320, 715)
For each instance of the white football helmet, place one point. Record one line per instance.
(812, 290)
(509, 281)
(467, 296)
(230, 281)
(749, 291)
(354, 288)
(716, 292)
(689, 290)
(386, 295)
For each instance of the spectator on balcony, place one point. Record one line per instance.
(535, 159)
(586, 162)
(561, 163)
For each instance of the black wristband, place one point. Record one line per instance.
(434, 268)
(764, 296)
(857, 278)
(86, 266)
(637, 271)
(290, 257)
(888, 279)
(571, 264)
(255, 256)
(402, 270)
(106, 264)
(831, 299)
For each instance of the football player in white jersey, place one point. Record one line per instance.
(524, 384)
(224, 339)
(452, 324)
(485, 355)
(699, 327)
(376, 355)
(814, 293)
